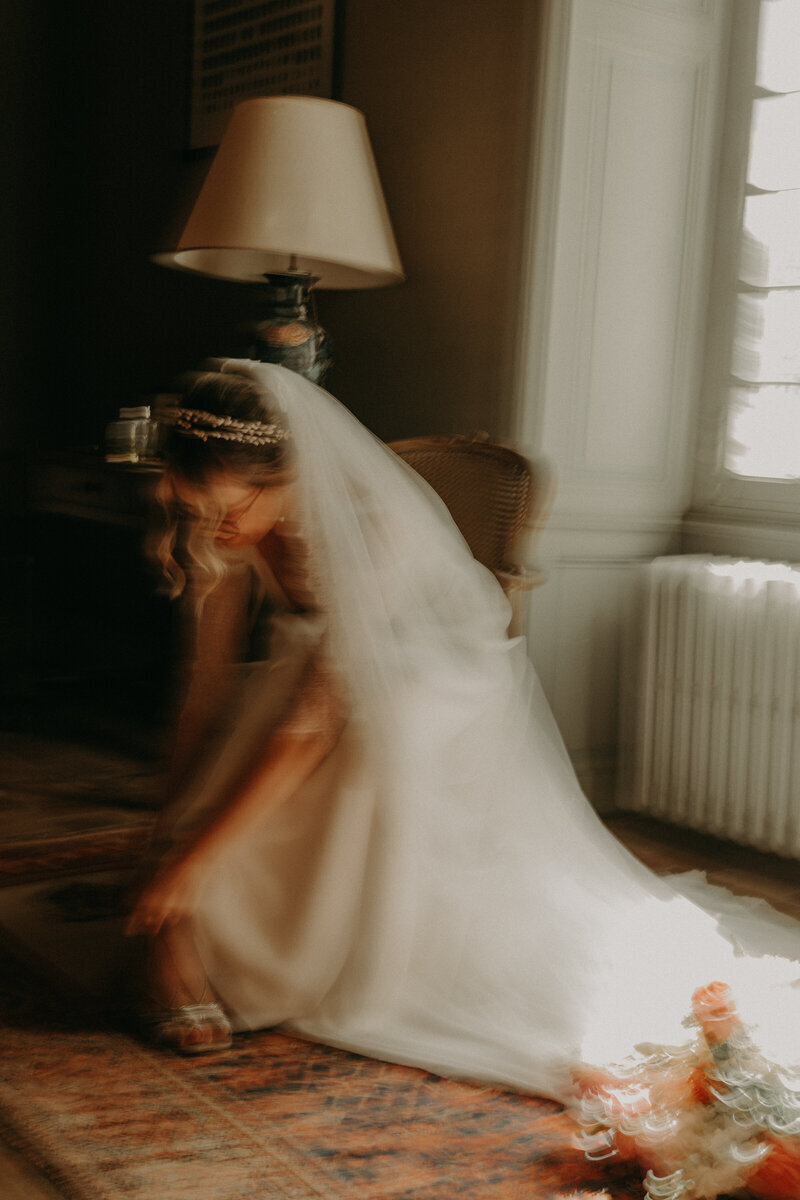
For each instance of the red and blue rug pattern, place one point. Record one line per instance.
(106, 1118)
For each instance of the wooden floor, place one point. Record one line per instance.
(663, 848)
(666, 849)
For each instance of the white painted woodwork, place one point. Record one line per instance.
(744, 533)
(610, 368)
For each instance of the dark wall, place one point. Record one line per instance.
(26, 142)
(101, 177)
(119, 325)
(446, 88)
(97, 175)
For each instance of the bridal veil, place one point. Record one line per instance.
(496, 930)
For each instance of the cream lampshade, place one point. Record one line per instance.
(293, 188)
(292, 199)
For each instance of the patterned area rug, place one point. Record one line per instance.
(106, 1118)
(275, 1118)
(67, 808)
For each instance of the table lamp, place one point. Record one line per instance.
(293, 201)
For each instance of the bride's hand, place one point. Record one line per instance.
(169, 897)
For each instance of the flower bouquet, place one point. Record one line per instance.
(705, 1119)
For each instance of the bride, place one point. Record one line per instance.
(374, 837)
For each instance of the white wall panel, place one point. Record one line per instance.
(610, 376)
(638, 186)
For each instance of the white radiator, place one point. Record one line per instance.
(717, 742)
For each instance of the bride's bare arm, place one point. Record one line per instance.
(212, 643)
(299, 744)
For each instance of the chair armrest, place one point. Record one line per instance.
(513, 579)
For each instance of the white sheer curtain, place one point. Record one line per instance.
(763, 430)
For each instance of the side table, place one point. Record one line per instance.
(97, 646)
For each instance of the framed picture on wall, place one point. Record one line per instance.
(244, 48)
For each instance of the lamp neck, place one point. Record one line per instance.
(287, 335)
(288, 294)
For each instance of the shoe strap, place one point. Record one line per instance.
(189, 1014)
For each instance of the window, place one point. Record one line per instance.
(761, 391)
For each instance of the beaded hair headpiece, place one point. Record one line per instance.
(194, 422)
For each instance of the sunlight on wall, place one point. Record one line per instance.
(763, 433)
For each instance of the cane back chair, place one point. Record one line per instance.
(498, 499)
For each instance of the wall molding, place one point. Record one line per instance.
(611, 523)
(704, 9)
(536, 278)
(741, 535)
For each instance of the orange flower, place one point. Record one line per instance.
(778, 1177)
(715, 1011)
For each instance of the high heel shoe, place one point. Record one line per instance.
(178, 1028)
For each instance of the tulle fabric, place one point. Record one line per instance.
(493, 929)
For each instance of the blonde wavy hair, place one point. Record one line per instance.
(182, 542)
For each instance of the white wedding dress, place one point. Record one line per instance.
(439, 892)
